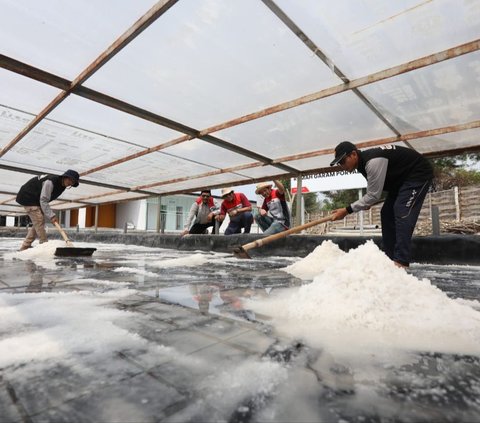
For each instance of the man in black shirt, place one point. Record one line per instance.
(35, 195)
(405, 174)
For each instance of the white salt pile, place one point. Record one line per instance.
(361, 300)
(41, 254)
(316, 261)
(39, 251)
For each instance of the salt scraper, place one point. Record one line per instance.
(70, 250)
(242, 252)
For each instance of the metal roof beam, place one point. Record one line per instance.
(32, 72)
(232, 169)
(372, 143)
(378, 76)
(388, 140)
(422, 62)
(190, 133)
(453, 152)
(83, 181)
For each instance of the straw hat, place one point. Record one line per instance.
(261, 186)
(226, 191)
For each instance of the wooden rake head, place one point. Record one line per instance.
(241, 253)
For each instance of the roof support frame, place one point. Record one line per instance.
(413, 65)
(54, 80)
(190, 133)
(97, 184)
(389, 140)
(75, 87)
(360, 144)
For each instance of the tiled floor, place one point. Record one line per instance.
(115, 338)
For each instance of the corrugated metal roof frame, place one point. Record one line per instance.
(133, 126)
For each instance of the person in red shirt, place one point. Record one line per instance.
(274, 215)
(239, 210)
(202, 215)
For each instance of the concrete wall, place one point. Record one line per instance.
(133, 212)
(444, 249)
(82, 214)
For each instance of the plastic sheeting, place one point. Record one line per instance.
(210, 93)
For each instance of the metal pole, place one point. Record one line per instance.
(96, 217)
(360, 215)
(299, 200)
(163, 222)
(457, 203)
(430, 202)
(159, 214)
(435, 221)
(302, 220)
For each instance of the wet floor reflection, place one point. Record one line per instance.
(320, 386)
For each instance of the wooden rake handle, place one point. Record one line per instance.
(274, 237)
(64, 235)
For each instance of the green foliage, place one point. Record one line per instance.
(454, 162)
(451, 171)
(310, 202)
(338, 199)
(448, 172)
(447, 179)
(286, 184)
(310, 199)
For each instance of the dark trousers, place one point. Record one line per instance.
(244, 220)
(399, 215)
(200, 228)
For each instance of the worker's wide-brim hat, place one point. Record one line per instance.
(261, 186)
(226, 191)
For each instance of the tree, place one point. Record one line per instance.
(448, 172)
(453, 171)
(310, 199)
(338, 199)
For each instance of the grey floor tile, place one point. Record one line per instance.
(37, 391)
(252, 340)
(9, 412)
(140, 399)
(222, 328)
(223, 355)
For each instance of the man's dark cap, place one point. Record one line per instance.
(74, 176)
(342, 150)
